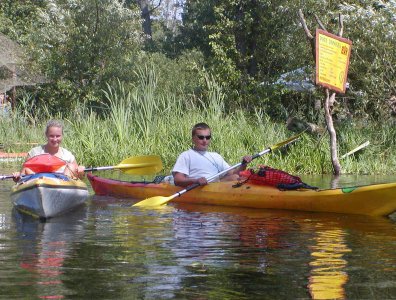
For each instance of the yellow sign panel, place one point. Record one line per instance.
(332, 60)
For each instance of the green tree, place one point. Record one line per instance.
(372, 71)
(198, 21)
(250, 42)
(18, 17)
(80, 45)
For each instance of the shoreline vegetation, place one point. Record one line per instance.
(126, 88)
(140, 120)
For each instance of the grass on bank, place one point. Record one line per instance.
(140, 120)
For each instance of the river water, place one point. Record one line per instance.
(108, 249)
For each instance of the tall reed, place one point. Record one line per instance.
(140, 119)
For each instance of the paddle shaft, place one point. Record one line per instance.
(120, 166)
(134, 165)
(90, 170)
(86, 170)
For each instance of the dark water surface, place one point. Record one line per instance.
(110, 250)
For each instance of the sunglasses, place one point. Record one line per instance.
(201, 137)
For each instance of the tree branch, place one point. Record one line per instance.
(304, 24)
(340, 25)
(320, 23)
(308, 33)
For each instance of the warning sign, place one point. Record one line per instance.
(332, 60)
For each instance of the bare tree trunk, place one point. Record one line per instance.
(329, 101)
(145, 13)
(332, 133)
(13, 92)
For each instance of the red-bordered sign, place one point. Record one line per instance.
(332, 60)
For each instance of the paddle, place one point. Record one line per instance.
(160, 200)
(356, 149)
(139, 165)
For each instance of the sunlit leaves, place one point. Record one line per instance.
(374, 52)
(86, 43)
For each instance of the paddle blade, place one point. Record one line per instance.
(141, 165)
(288, 141)
(44, 163)
(154, 201)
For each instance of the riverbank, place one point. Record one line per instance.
(131, 125)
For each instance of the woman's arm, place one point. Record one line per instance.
(24, 171)
(73, 170)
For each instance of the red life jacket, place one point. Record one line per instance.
(44, 163)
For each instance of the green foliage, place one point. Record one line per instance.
(18, 17)
(372, 72)
(227, 57)
(180, 75)
(81, 45)
(250, 43)
(198, 21)
(255, 42)
(141, 120)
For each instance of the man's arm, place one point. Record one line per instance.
(183, 180)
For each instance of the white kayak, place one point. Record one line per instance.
(46, 195)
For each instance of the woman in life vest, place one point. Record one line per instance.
(54, 135)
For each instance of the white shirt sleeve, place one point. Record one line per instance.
(182, 164)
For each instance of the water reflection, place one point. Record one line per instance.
(43, 248)
(335, 182)
(114, 251)
(224, 248)
(143, 240)
(328, 274)
(281, 239)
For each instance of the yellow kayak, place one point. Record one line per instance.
(373, 200)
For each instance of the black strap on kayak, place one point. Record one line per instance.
(157, 179)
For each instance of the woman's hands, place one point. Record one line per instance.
(16, 176)
(81, 171)
(73, 170)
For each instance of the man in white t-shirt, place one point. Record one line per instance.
(196, 164)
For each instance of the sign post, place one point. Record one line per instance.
(332, 60)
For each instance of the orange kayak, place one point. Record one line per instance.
(374, 200)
